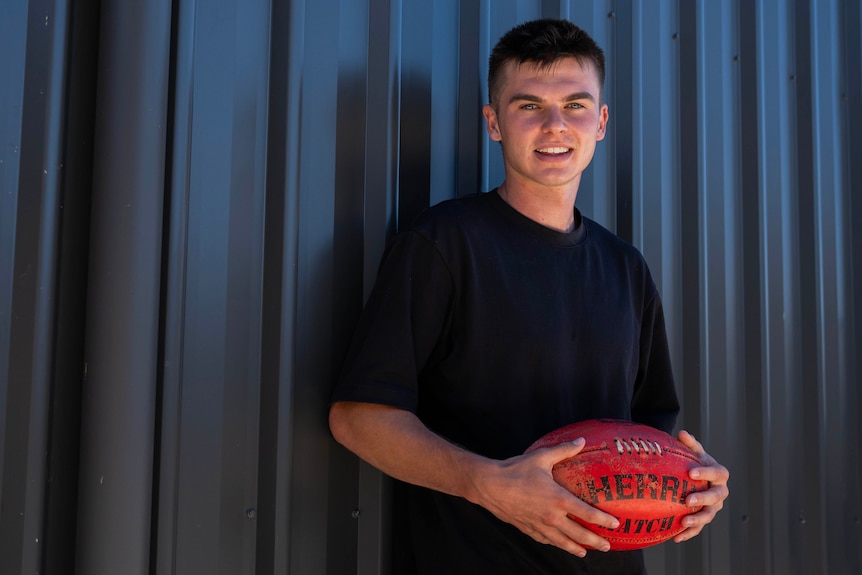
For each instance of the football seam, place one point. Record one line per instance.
(665, 450)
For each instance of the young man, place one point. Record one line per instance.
(499, 317)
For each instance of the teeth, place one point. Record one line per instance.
(553, 150)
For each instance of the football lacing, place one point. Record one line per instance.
(635, 445)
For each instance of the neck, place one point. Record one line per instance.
(551, 207)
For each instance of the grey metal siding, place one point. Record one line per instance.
(194, 197)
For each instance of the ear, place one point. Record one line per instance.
(603, 123)
(492, 125)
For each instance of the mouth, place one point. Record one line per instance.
(553, 151)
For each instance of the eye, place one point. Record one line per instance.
(574, 105)
(529, 107)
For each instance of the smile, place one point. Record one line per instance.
(553, 151)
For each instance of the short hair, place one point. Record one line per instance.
(542, 42)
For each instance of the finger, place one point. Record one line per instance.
(568, 542)
(548, 457)
(705, 459)
(695, 522)
(710, 470)
(589, 540)
(714, 473)
(571, 530)
(715, 495)
(688, 534)
(691, 442)
(565, 532)
(564, 450)
(702, 517)
(590, 514)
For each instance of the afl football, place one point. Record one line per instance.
(634, 472)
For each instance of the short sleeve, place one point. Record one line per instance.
(655, 401)
(401, 326)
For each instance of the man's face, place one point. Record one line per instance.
(548, 121)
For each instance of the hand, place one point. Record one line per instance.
(522, 491)
(712, 499)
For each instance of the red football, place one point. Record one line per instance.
(636, 473)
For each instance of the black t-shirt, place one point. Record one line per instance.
(494, 330)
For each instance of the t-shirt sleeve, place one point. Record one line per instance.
(401, 326)
(655, 401)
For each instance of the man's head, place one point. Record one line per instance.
(542, 43)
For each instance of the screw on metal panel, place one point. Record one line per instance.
(250, 513)
(675, 36)
(802, 520)
(745, 518)
(355, 513)
(611, 14)
(736, 57)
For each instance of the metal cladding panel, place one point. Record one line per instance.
(123, 288)
(213, 271)
(28, 232)
(46, 119)
(237, 181)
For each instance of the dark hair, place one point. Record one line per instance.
(542, 42)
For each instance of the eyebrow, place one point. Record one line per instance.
(570, 98)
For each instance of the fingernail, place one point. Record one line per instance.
(693, 500)
(579, 441)
(695, 473)
(605, 548)
(615, 524)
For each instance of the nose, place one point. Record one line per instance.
(554, 121)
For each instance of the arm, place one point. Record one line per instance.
(519, 490)
(713, 498)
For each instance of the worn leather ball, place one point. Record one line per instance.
(634, 472)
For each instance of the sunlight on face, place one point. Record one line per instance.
(548, 121)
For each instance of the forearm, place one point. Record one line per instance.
(520, 490)
(396, 442)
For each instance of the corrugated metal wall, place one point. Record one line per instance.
(194, 197)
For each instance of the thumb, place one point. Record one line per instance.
(565, 450)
